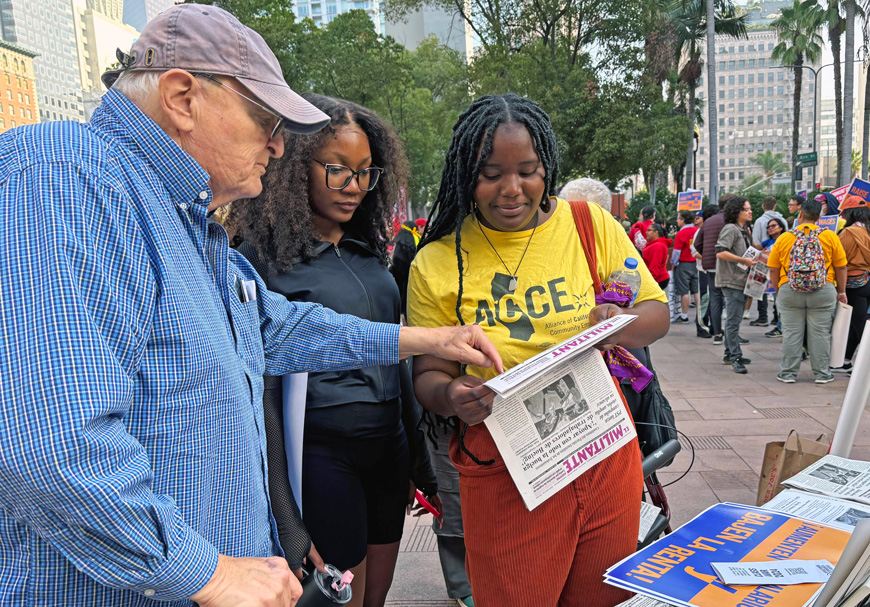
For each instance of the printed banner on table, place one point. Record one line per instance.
(676, 568)
(690, 200)
(829, 222)
(840, 193)
(860, 188)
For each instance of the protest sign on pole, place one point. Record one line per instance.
(690, 200)
(840, 193)
(802, 193)
(860, 188)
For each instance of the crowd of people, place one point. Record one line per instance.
(154, 333)
(810, 269)
(151, 332)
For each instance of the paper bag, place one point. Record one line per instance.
(840, 334)
(782, 460)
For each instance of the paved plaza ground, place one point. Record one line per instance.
(728, 417)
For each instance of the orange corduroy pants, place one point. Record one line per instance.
(555, 555)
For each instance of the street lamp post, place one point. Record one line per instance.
(817, 105)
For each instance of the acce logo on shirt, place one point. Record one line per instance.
(539, 301)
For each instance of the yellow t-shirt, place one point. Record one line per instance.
(835, 255)
(554, 291)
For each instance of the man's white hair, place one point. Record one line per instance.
(589, 190)
(138, 85)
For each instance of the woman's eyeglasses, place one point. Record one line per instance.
(338, 176)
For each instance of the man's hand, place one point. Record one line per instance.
(467, 345)
(470, 400)
(250, 582)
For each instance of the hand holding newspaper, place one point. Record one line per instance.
(558, 414)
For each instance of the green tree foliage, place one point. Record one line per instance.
(582, 60)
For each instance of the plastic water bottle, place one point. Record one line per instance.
(629, 276)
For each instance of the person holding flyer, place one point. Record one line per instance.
(487, 258)
(855, 238)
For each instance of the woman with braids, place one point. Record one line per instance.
(500, 252)
(319, 233)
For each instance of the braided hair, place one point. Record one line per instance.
(469, 150)
(278, 224)
(468, 153)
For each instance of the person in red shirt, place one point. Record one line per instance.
(655, 254)
(637, 235)
(685, 267)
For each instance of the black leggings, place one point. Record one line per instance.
(859, 299)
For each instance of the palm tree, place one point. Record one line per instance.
(770, 164)
(798, 30)
(750, 180)
(690, 26)
(848, 84)
(711, 101)
(836, 24)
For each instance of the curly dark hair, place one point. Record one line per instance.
(733, 208)
(278, 224)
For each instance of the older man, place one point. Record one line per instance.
(133, 465)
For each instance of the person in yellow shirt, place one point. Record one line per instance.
(499, 252)
(807, 309)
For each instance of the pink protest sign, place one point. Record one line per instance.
(840, 193)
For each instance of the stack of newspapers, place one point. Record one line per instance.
(823, 515)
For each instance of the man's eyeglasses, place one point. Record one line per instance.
(280, 119)
(338, 176)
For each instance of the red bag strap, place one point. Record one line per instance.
(583, 221)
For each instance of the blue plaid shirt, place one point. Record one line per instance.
(132, 448)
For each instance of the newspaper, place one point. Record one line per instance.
(781, 573)
(639, 600)
(756, 281)
(835, 512)
(835, 477)
(648, 515)
(751, 254)
(558, 414)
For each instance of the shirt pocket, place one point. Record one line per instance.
(249, 339)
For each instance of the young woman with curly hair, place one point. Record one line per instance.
(319, 233)
(499, 251)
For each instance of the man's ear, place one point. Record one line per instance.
(179, 95)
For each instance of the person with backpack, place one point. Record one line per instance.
(808, 270)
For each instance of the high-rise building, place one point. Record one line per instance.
(755, 99)
(451, 29)
(47, 27)
(324, 11)
(99, 33)
(139, 12)
(18, 98)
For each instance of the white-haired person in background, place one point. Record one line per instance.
(588, 190)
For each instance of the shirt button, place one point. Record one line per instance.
(183, 206)
(150, 592)
(203, 195)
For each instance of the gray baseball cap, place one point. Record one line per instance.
(205, 38)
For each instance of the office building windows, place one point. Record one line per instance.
(721, 79)
(751, 79)
(730, 79)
